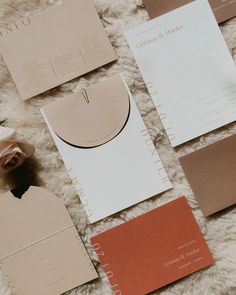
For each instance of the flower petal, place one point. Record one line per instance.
(6, 133)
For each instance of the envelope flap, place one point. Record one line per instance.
(92, 117)
(36, 216)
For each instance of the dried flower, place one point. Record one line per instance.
(12, 152)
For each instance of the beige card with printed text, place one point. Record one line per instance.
(52, 47)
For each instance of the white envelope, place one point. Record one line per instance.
(188, 70)
(119, 172)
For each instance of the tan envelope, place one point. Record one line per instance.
(55, 46)
(41, 251)
(223, 9)
(211, 174)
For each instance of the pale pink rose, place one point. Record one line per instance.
(13, 154)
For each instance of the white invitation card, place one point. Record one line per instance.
(188, 70)
(106, 148)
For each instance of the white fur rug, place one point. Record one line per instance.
(49, 171)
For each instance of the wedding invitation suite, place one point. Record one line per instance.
(152, 250)
(211, 174)
(188, 70)
(222, 9)
(106, 148)
(41, 251)
(47, 49)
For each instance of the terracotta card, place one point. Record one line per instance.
(41, 251)
(47, 49)
(152, 250)
(223, 9)
(106, 148)
(211, 175)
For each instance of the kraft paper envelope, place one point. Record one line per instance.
(223, 9)
(152, 250)
(188, 70)
(106, 148)
(41, 251)
(47, 49)
(211, 175)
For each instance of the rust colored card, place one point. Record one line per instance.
(211, 174)
(223, 9)
(152, 250)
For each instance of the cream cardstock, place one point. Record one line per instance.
(41, 251)
(188, 70)
(119, 173)
(47, 49)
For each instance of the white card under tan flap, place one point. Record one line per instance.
(40, 250)
(106, 148)
(93, 116)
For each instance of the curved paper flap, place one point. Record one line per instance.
(92, 117)
(37, 215)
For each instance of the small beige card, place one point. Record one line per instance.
(211, 174)
(55, 46)
(41, 251)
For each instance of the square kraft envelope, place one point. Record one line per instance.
(52, 47)
(222, 9)
(152, 250)
(211, 174)
(41, 251)
(106, 148)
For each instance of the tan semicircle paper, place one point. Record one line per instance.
(93, 116)
(41, 251)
